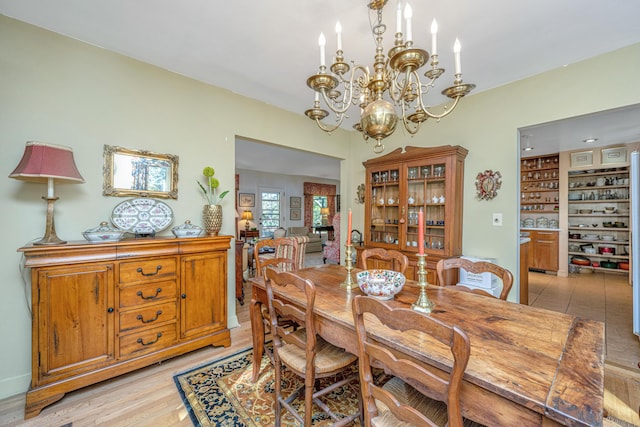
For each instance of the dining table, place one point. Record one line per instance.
(528, 366)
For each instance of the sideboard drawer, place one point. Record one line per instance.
(148, 316)
(146, 270)
(146, 293)
(147, 340)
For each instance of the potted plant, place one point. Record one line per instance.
(212, 211)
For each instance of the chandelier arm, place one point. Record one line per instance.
(327, 128)
(348, 91)
(408, 124)
(447, 109)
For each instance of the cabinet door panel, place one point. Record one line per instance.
(75, 319)
(203, 294)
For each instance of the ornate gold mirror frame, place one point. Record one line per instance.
(143, 173)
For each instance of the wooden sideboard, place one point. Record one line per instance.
(101, 310)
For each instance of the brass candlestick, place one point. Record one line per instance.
(423, 304)
(348, 283)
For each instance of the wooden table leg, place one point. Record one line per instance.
(257, 330)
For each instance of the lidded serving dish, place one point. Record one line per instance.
(103, 233)
(187, 230)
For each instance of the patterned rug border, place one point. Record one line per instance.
(198, 414)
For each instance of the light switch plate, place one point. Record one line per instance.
(497, 219)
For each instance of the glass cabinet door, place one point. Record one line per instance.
(385, 207)
(426, 191)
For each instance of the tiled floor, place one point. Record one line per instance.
(598, 296)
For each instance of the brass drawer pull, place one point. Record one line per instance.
(140, 318)
(158, 268)
(139, 293)
(139, 341)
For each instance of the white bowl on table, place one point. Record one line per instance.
(381, 284)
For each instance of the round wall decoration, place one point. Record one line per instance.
(487, 184)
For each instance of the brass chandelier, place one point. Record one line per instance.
(394, 82)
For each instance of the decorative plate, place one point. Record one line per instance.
(487, 184)
(142, 216)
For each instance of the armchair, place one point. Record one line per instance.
(331, 248)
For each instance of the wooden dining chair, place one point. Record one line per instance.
(283, 257)
(475, 267)
(303, 351)
(398, 261)
(413, 395)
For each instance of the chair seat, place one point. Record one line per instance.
(329, 358)
(407, 395)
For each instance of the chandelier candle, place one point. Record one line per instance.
(434, 37)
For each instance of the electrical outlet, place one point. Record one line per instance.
(497, 219)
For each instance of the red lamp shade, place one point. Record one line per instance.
(46, 163)
(42, 161)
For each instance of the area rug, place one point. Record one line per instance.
(221, 393)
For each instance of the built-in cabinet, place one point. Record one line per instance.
(398, 186)
(100, 310)
(598, 213)
(543, 251)
(540, 209)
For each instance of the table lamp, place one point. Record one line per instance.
(325, 215)
(247, 216)
(43, 162)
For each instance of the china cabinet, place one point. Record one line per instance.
(598, 213)
(101, 310)
(398, 186)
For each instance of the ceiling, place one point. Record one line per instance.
(266, 50)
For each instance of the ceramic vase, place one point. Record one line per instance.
(212, 219)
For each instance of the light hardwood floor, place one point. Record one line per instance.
(148, 397)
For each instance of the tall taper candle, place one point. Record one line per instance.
(420, 233)
(349, 229)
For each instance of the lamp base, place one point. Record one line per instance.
(50, 237)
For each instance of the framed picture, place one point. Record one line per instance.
(295, 215)
(582, 158)
(246, 200)
(295, 202)
(614, 155)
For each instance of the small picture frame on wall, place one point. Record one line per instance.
(246, 200)
(614, 155)
(295, 215)
(295, 202)
(582, 158)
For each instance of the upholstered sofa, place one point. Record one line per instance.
(315, 242)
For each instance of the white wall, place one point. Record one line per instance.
(59, 90)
